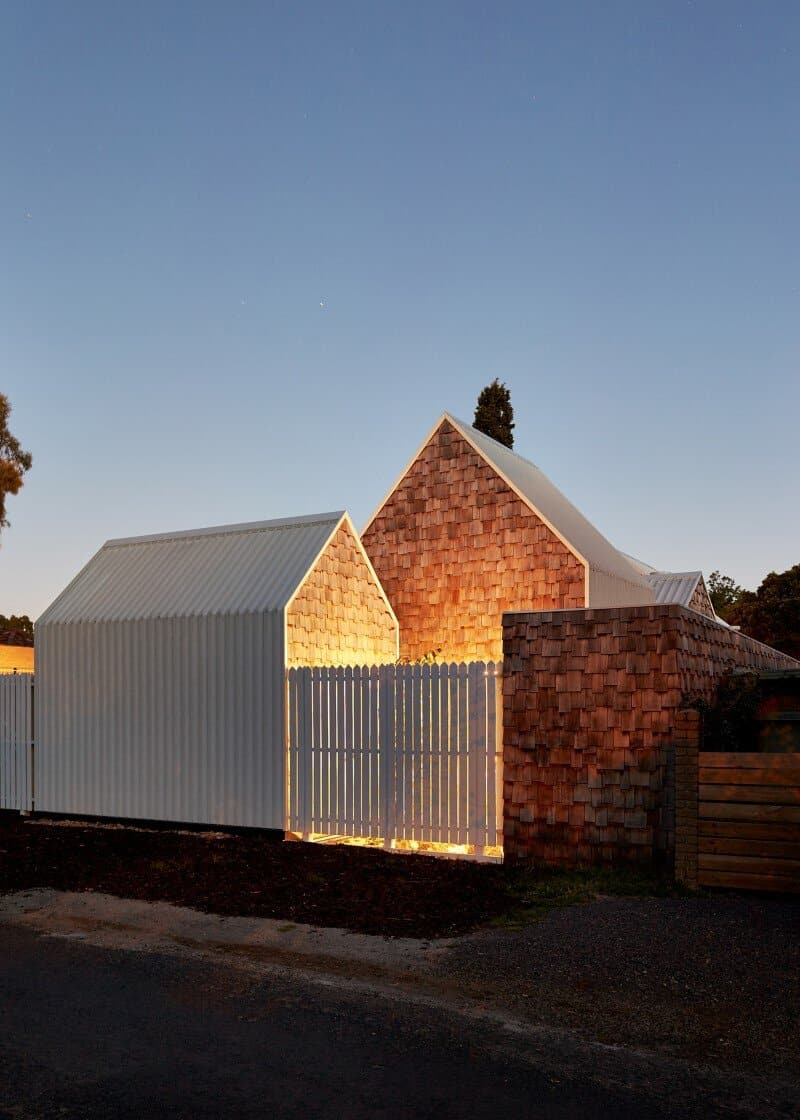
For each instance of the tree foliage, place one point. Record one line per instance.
(14, 462)
(772, 613)
(729, 722)
(494, 414)
(724, 593)
(19, 622)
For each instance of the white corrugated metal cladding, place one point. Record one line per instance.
(241, 568)
(160, 675)
(674, 587)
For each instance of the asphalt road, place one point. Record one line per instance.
(92, 1032)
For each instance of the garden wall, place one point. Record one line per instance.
(591, 702)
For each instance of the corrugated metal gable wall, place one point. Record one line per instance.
(163, 719)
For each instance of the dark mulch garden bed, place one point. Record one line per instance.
(256, 875)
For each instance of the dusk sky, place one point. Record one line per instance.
(251, 252)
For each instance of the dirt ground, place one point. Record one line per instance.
(256, 875)
(712, 977)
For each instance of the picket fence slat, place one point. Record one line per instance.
(476, 796)
(370, 793)
(445, 739)
(396, 753)
(454, 754)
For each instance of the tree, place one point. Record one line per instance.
(772, 613)
(19, 623)
(494, 415)
(14, 462)
(723, 593)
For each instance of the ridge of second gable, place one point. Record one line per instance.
(446, 444)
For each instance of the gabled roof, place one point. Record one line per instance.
(674, 587)
(547, 502)
(670, 587)
(228, 569)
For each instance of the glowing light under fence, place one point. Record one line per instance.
(422, 847)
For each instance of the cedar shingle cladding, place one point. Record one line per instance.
(339, 616)
(700, 601)
(454, 547)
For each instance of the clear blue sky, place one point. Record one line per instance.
(249, 252)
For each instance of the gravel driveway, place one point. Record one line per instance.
(715, 978)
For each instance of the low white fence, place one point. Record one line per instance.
(16, 741)
(402, 753)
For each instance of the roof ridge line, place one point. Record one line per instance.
(239, 528)
(463, 423)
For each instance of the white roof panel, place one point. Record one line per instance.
(547, 500)
(674, 587)
(229, 569)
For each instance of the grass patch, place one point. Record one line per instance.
(535, 891)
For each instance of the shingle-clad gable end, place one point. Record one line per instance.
(471, 527)
(701, 600)
(454, 545)
(340, 614)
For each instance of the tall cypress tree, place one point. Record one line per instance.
(494, 414)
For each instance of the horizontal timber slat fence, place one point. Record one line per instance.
(749, 821)
(407, 754)
(16, 741)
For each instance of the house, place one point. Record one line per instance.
(471, 530)
(161, 668)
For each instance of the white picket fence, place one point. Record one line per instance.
(402, 753)
(16, 741)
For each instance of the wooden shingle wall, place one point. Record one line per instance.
(700, 601)
(454, 547)
(339, 616)
(590, 706)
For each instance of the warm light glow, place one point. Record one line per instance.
(424, 847)
(17, 659)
